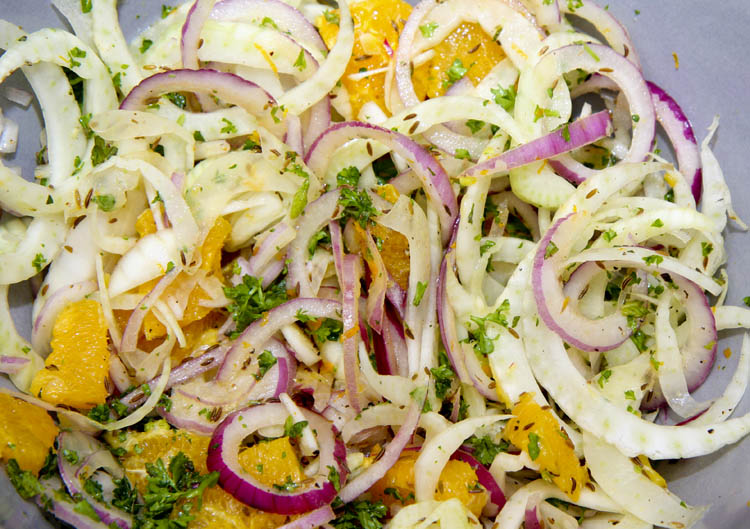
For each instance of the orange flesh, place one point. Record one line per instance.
(555, 451)
(374, 22)
(219, 510)
(27, 432)
(467, 43)
(457, 480)
(76, 370)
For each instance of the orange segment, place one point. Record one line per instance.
(375, 21)
(27, 432)
(395, 253)
(537, 432)
(219, 510)
(272, 462)
(76, 370)
(470, 45)
(144, 224)
(210, 254)
(457, 480)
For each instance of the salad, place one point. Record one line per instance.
(366, 265)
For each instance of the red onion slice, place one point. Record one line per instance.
(579, 133)
(434, 179)
(681, 135)
(230, 88)
(390, 346)
(223, 458)
(191, 32)
(556, 311)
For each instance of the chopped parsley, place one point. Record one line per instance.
(145, 45)
(604, 377)
(24, 481)
(533, 446)
(293, 429)
(329, 331)
(266, 361)
(102, 151)
(228, 128)
(653, 260)
(483, 344)
(485, 449)
(177, 99)
(348, 176)
(105, 202)
(249, 300)
(361, 514)
(356, 205)
(167, 10)
(443, 375)
(419, 294)
(428, 29)
(505, 97)
(38, 262)
(300, 63)
(462, 154)
(475, 125)
(331, 17)
(320, 237)
(455, 72)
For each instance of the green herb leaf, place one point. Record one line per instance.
(533, 446)
(485, 449)
(38, 262)
(419, 294)
(505, 97)
(23, 480)
(266, 361)
(105, 202)
(361, 514)
(300, 63)
(249, 300)
(331, 17)
(428, 30)
(356, 205)
(443, 375)
(462, 154)
(145, 45)
(348, 176)
(475, 125)
(167, 10)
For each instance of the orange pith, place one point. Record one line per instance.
(457, 480)
(219, 509)
(75, 372)
(374, 22)
(556, 458)
(27, 432)
(467, 43)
